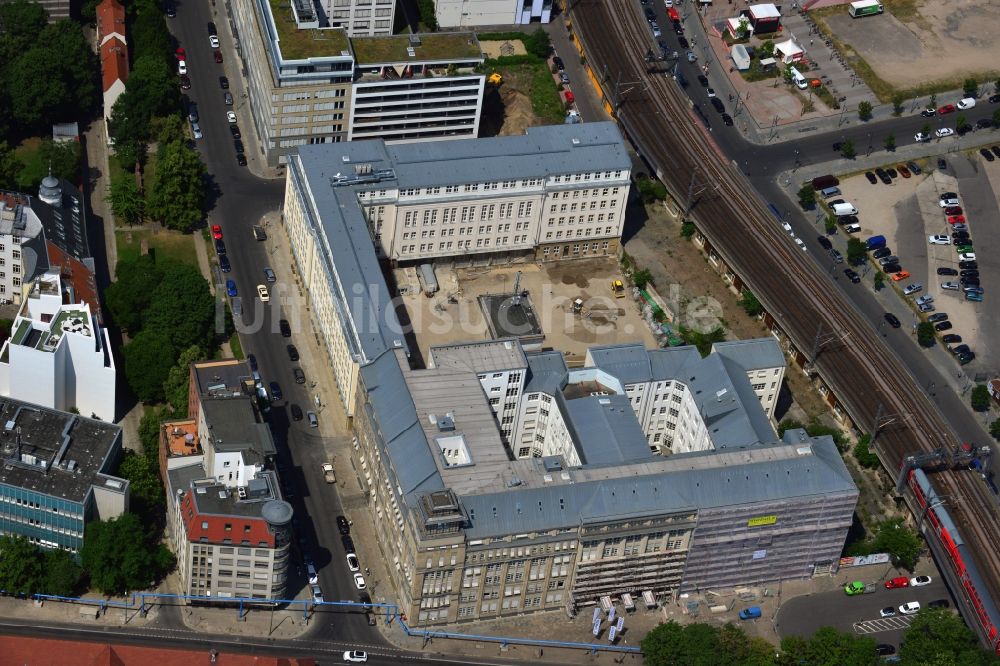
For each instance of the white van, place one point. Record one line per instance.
(843, 209)
(966, 103)
(852, 228)
(797, 78)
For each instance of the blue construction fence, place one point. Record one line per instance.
(143, 602)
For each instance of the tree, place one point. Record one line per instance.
(828, 646)
(687, 229)
(172, 129)
(938, 636)
(766, 49)
(925, 334)
(126, 202)
(177, 195)
(829, 226)
(10, 166)
(743, 31)
(651, 190)
(62, 574)
(996, 118)
(933, 100)
(807, 196)
(181, 306)
(642, 277)
(926, 130)
(62, 158)
(122, 554)
(20, 23)
(970, 88)
(427, 14)
(148, 359)
(538, 43)
(865, 110)
(879, 279)
(750, 304)
(129, 295)
(995, 428)
(960, 121)
(856, 251)
(890, 142)
(897, 104)
(21, 570)
(176, 387)
(69, 84)
(980, 398)
(149, 36)
(863, 453)
(847, 150)
(147, 499)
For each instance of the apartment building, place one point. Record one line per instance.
(58, 355)
(485, 196)
(474, 13)
(230, 543)
(474, 532)
(304, 69)
(112, 46)
(57, 474)
(22, 246)
(230, 528)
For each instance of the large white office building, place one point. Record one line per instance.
(474, 13)
(339, 75)
(557, 192)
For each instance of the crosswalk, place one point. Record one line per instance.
(881, 624)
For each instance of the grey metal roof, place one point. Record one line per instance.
(66, 223)
(605, 430)
(727, 403)
(480, 356)
(77, 452)
(539, 153)
(347, 253)
(547, 372)
(402, 438)
(755, 354)
(815, 471)
(234, 427)
(628, 362)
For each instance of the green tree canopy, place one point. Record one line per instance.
(178, 381)
(126, 201)
(864, 110)
(177, 196)
(122, 554)
(828, 647)
(182, 306)
(129, 295)
(925, 334)
(970, 87)
(63, 157)
(701, 644)
(750, 304)
(62, 573)
(995, 428)
(980, 397)
(807, 196)
(21, 570)
(537, 43)
(848, 150)
(148, 359)
(149, 36)
(890, 142)
(147, 499)
(856, 252)
(20, 23)
(10, 166)
(938, 636)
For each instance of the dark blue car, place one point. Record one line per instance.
(276, 393)
(231, 287)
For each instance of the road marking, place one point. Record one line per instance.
(882, 624)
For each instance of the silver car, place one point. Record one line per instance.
(951, 286)
(912, 288)
(196, 130)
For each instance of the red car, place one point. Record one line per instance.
(947, 108)
(216, 232)
(953, 210)
(180, 53)
(956, 219)
(901, 581)
(218, 56)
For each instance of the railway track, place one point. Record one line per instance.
(859, 368)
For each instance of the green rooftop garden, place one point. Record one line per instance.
(298, 44)
(439, 46)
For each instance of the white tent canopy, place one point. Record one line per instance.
(740, 57)
(788, 51)
(764, 11)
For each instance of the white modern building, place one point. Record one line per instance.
(58, 355)
(474, 13)
(22, 245)
(557, 192)
(305, 68)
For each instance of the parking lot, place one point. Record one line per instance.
(454, 313)
(907, 213)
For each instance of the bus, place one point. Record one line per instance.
(865, 8)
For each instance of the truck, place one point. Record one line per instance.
(429, 279)
(328, 473)
(618, 289)
(875, 243)
(865, 8)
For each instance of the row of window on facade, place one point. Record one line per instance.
(576, 249)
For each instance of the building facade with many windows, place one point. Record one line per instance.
(348, 204)
(340, 75)
(471, 530)
(57, 474)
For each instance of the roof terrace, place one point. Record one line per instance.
(301, 44)
(452, 46)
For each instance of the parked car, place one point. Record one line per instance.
(296, 412)
(950, 286)
(953, 210)
(285, 328)
(893, 321)
(276, 393)
(898, 276)
(359, 581)
(852, 275)
(914, 168)
(898, 581)
(884, 650)
(947, 108)
(986, 154)
(912, 288)
(920, 581)
(343, 526)
(942, 132)
(216, 232)
(939, 603)
(871, 177)
(935, 318)
(293, 352)
(356, 656)
(946, 271)
(824, 242)
(231, 288)
(224, 83)
(939, 239)
(910, 607)
(943, 326)
(269, 274)
(888, 611)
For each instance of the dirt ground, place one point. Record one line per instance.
(935, 41)
(496, 49)
(507, 110)
(454, 313)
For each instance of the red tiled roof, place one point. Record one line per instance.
(44, 652)
(216, 531)
(110, 19)
(78, 275)
(114, 62)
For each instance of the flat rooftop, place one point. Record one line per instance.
(296, 44)
(510, 316)
(55, 453)
(444, 46)
(181, 438)
(234, 427)
(227, 376)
